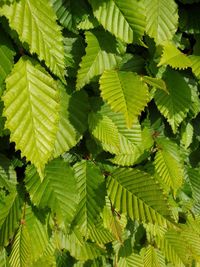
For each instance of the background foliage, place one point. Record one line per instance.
(99, 133)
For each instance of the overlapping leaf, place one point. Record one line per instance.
(101, 54)
(71, 120)
(195, 65)
(132, 260)
(162, 19)
(70, 12)
(175, 105)
(10, 213)
(7, 57)
(175, 248)
(31, 104)
(168, 165)
(125, 92)
(123, 18)
(45, 37)
(153, 257)
(78, 248)
(137, 194)
(20, 254)
(110, 129)
(8, 177)
(92, 195)
(37, 231)
(57, 190)
(173, 57)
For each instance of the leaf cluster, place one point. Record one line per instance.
(99, 133)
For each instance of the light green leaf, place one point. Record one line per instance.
(153, 257)
(195, 65)
(3, 258)
(125, 92)
(38, 233)
(20, 253)
(88, 23)
(47, 258)
(10, 212)
(194, 178)
(114, 222)
(137, 194)
(187, 132)
(173, 57)
(44, 38)
(78, 248)
(31, 108)
(126, 145)
(123, 18)
(101, 54)
(162, 19)
(71, 120)
(104, 129)
(57, 190)
(155, 82)
(133, 260)
(175, 248)
(175, 105)
(168, 165)
(92, 191)
(99, 234)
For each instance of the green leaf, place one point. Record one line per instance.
(104, 129)
(175, 105)
(74, 50)
(101, 54)
(71, 120)
(125, 92)
(57, 190)
(133, 260)
(47, 258)
(173, 57)
(7, 57)
(31, 108)
(10, 208)
(45, 37)
(92, 191)
(8, 177)
(162, 19)
(109, 128)
(134, 63)
(175, 248)
(187, 132)
(38, 233)
(20, 254)
(78, 248)
(69, 12)
(3, 258)
(137, 194)
(195, 65)
(113, 221)
(155, 82)
(168, 165)
(194, 178)
(99, 234)
(153, 257)
(123, 18)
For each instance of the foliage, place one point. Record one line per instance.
(99, 133)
